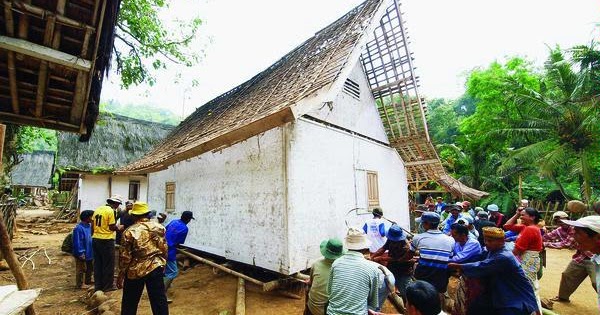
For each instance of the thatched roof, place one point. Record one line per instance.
(271, 97)
(53, 56)
(117, 141)
(34, 170)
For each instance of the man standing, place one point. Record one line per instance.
(375, 230)
(439, 205)
(142, 262)
(353, 281)
(495, 216)
(481, 223)
(103, 243)
(466, 249)
(434, 249)
(454, 215)
(579, 267)
(177, 231)
(421, 299)
(125, 219)
(509, 291)
(317, 297)
(587, 236)
(82, 250)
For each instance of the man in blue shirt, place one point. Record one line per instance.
(82, 250)
(508, 290)
(176, 233)
(454, 216)
(466, 249)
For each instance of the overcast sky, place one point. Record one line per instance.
(240, 38)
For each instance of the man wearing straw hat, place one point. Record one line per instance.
(142, 262)
(316, 301)
(354, 281)
(508, 291)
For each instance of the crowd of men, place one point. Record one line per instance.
(147, 252)
(497, 259)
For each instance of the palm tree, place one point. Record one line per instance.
(559, 124)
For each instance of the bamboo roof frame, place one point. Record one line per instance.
(373, 33)
(53, 56)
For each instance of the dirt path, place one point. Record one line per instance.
(199, 291)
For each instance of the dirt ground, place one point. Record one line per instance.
(200, 291)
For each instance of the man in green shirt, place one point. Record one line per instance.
(331, 249)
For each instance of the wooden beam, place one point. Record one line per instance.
(43, 14)
(12, 71)
(44, 53)
(78, 105)
(422, 162)
(240, 301)
(41, 122)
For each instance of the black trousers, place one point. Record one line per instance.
(132, 292)
(104, 263)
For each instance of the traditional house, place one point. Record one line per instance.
(33, 173)
(290, 157)
(86, 168)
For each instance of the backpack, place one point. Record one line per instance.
(67, 244)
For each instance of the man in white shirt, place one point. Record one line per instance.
(375, 230)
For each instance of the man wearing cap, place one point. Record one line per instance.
(399, 258)
(439, 205)
(580, 265)
(176, 232)
(508, 290)
(103, 243)
(375, 230)
(455, 211)
(587, 236)
(495, 216)
(434, 249)
(142, 261)
(317, 297)
(354, 281)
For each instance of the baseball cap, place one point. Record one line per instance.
(430, 217)
(187, 215)
(591, 222)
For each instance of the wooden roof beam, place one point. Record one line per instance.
(12, 71)
(422, 162)
(43, 14)
(44, 53)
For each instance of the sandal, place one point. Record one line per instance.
(559, 299)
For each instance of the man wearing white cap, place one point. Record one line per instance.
(353, 281)
(587, 236)
(495, 216)
(580, 266)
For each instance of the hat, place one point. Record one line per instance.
(431, 217)
(356, 239)
(466, 204)
(187, 215)
(377, 211)
(560, 215)
(493, 232)
(396, 234)
(332, 248)
(467, 219)
(525, 202)
(439, 198)
(116, 199)
(482, 214)
(462, 221)
(493, 208)
(591, 222)
(576, 206)
(139, 208)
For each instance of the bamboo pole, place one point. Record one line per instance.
(225, 269)
(240, 302)
(520, 187)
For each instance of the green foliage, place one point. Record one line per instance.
(147, 44)
(29, 139)
(141, 111)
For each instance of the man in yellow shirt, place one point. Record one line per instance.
(103, 243)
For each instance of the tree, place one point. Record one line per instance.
(143, 39)
(559, 123)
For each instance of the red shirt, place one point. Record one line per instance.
(530, 237)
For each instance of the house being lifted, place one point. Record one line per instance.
(86, 168)
(282, 161)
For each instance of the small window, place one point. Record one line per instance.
(352, 88)
(372, 189)
(134, 190)
(170, 196)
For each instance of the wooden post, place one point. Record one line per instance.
(520, 187)
(240, 301)
(6, 244)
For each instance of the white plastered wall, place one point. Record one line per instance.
(95, 189)
(237, 197)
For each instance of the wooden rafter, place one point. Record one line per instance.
(12, 71)
(44, 53)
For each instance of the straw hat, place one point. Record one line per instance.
(356, 239)
(493, 232)
(115, 198)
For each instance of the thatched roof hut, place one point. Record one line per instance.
(117, 141)
(53, 56)
(34, 170)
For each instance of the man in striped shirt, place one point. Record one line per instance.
(434, 249)
(353, 281)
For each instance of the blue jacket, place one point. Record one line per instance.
(176, 233)
(82, 241)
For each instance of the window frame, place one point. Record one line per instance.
(373, 199)
(170, 189)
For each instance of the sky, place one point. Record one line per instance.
(240, 38)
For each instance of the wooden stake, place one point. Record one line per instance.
(520, 187)
(240, 301)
